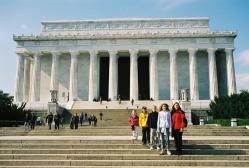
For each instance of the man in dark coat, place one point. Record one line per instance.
(56, 121)
(49, 120)
(33, 120)
(76, 121)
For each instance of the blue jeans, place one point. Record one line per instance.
(165, 139)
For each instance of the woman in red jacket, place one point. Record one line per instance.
(177, 126)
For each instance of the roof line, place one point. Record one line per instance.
(126, 19)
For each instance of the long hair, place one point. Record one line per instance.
(161, 107)
(173, 107)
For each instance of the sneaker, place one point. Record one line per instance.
(151, 148)
(157, 148)
(162, 152)
(168, 152)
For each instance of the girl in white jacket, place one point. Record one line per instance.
(164, 127)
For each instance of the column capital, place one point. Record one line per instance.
(211, 50)
(133, 52)
(74, 54)
(112, 52)
(153, 51)
(92, 52)
(22, 54)
(56, 53)
(192, 51)
(229, 50)
(173, 51)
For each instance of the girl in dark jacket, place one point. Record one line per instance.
(177, 126)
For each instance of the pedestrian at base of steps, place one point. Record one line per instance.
(49, 120)
(133, 121)
(72, 122)
(101, 115)
(76, 121)
(81, 118)
(57, 119)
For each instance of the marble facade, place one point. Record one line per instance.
(182, 53)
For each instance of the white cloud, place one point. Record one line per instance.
(242, 81)
(24, 26)
(243, 57)
(172, 4)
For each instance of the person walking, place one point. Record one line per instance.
(33, 121)
(101, 115)
(152, 124)
(164, 127)
(72, 122)
(56, 121)
(81, 118)
(133, 121)
(27, 122)
(95, 120)
(49, 120)
(76, 121)
(143, 122)
(178, 125)
(90, 120)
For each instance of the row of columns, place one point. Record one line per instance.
(24, 68)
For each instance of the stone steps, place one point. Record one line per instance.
(120, 131)
(116, 146)
(135, 151)
(115, 167)
(116, 151)
(132, 163)
(118, 157)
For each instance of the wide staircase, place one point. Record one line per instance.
(111, 146)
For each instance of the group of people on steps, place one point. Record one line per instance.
(158, 126)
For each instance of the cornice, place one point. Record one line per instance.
(124, 36)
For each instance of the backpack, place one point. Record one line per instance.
(185, 122)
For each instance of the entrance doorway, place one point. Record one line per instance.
(104, 78)
(124, 78)
(143, 78)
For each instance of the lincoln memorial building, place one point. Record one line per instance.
(141, 59)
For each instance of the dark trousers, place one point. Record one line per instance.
(57, 125)
(178, 140)
(76, 126)
(49, 125)
(146, 135)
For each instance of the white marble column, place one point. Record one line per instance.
(133, 74)
(231, 81)
(213, 82)
(92, 75)
(35, 94)
(54, 84)
(153, 74)
(26, 80)
(19, 78)
(73, 83)
(173, 75)
(113, 75)
(194, 92)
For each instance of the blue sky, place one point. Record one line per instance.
(24, 17)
